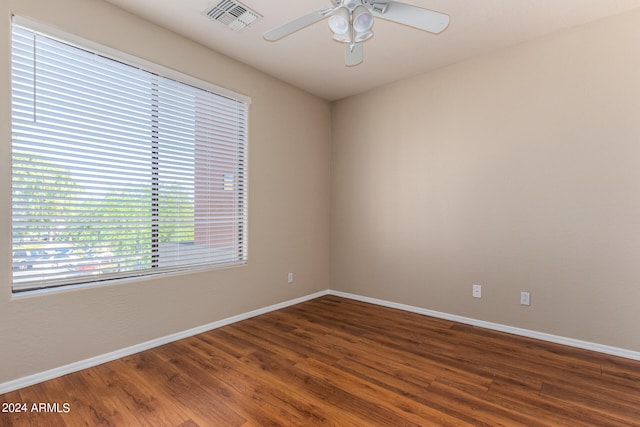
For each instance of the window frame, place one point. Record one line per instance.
(165, 72)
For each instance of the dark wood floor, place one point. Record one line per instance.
(332, 361)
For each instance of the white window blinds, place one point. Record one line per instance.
(118, 171)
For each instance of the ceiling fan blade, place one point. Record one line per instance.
(413, 16)
(353, 54)
(296, 24)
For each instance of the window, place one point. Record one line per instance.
(118, 171)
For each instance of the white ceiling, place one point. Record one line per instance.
(310, 60)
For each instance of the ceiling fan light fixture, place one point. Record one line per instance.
(362, 19)
(339, 21)
(351, 22)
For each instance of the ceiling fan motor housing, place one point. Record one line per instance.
(351, 4)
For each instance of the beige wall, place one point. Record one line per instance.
(518, 171)
(289, 184)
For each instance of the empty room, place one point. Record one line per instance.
(329, 212)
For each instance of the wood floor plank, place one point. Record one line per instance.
(616, 408)
(313, 395)
(377, 404)
(142, 400)
(337, 362)
(553, 412)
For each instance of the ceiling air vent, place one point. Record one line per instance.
(233, 14)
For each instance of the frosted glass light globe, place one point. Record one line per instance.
(339, 24)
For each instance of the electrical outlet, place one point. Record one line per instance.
(525, 298)
(290, 278)
(477, 291)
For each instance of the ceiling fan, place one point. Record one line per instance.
(351, 22)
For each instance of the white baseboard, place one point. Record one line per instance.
(586, 345)
(98, 360)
